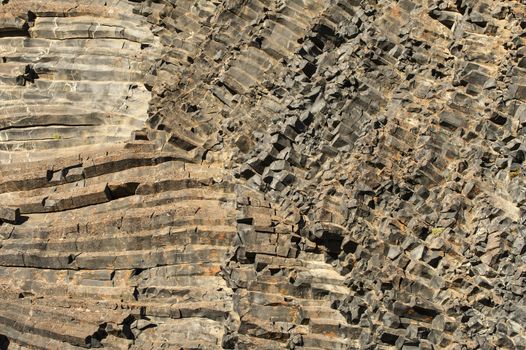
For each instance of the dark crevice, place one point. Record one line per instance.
(389, 338)
(136, 271)
(189, 108)
(71, 258)
(437, 74)
(29, 76)
(126, 327)
(183, 144)
(426, 312)
(94, 340)
(31, 16)
(123, 190)
(461, 8)
(257, 42)
(4, 342)
(434, 262)
(498, 119)
(424, 233)
(309, 69)
(13, 33)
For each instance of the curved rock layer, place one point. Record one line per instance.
(262, 174)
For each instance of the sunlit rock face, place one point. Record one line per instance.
(72, 76)
(262, 174)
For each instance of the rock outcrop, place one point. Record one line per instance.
(262, 174)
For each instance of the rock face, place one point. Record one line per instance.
(262, 174)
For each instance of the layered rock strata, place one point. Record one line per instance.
(260, 174)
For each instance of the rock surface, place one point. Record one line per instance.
(262, 174)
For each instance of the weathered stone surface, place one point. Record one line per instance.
(292, 174)
(11, 215)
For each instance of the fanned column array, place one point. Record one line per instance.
(262, 174)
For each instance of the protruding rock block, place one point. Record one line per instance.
(10, 215)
